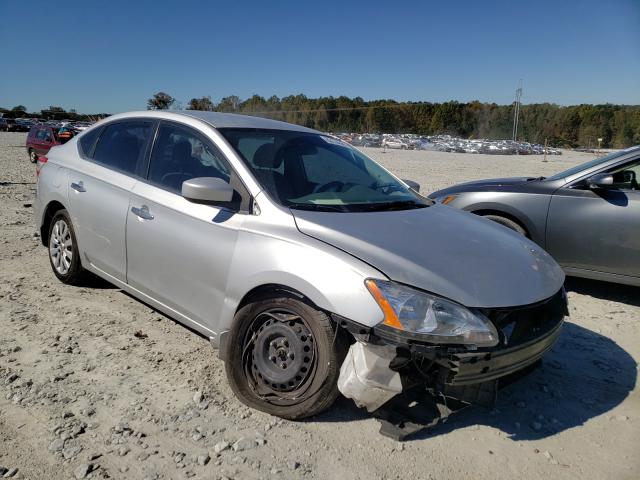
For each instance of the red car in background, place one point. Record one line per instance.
(42, 137)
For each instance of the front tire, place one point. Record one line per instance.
(63, 250)
(283, 357)
(507, 222)
(33, 156)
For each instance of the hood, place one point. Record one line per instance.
(494, 182)
(442, 250)
(477, 185)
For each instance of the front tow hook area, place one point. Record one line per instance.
(402, 406)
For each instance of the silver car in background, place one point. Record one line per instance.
(587, 217)
(285, 246)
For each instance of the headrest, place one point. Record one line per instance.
(265, 157)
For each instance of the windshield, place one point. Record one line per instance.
(590, 164)
(317, 172)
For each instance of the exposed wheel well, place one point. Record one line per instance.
(49, 213)
(500, 213)
(268, 290)
(272, 289)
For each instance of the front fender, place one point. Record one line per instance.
(530, 210)
(331, 279)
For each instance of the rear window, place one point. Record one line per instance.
(87, 142)
(122, 145)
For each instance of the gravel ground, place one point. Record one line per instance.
(94, 384)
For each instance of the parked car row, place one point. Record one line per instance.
(15, 124)
(25, 124)
(446, 143)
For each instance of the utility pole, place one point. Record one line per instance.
(516, 110)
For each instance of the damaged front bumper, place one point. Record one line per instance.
(477, 367)
(460, 372)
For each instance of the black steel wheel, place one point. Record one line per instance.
(283, 357)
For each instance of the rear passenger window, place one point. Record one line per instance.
(122, 145)
(87, 141)
(44, 135)
(180, 154)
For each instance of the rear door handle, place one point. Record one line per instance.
(142, 212)
(78, 187)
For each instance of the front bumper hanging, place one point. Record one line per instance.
(438, 380)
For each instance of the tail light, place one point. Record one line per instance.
(39, 164)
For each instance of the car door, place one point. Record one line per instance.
(179, 252)
(99, 192)
(598, 229)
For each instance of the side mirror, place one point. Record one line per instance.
(207, 189)
(601, 180)
(412, 185)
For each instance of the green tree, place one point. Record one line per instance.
(160, 101)
(204, 104)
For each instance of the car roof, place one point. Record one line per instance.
(219, 119)
(234, 120)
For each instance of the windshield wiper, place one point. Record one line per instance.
(536, 179)
(316, 207)
(397, 205)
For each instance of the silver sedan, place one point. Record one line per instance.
(290, 250)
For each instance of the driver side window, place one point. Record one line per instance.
(180, 154)
(626, 177)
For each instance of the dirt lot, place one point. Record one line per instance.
(82, 395)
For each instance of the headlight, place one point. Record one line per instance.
(435, 319)
(446, 199)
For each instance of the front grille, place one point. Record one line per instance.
(519, 325)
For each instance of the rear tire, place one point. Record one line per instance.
(507, 222)
(63, 250)
(33, 156)
(283, 357)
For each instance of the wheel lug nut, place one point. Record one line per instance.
(290, 355)
(285, 343)
(273, 344)
(272, 358)
(283, 365)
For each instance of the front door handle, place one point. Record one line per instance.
(78, 187)
(142, 212)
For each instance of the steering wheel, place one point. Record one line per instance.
(175, 179)
(335, 186)
(386, 188)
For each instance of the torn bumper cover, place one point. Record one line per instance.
(366, 378)
(459, 372)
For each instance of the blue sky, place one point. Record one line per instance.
(110, 56)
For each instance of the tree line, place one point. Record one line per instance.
(570, 126)
(579, 125)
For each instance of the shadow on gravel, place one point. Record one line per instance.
(604, 290)
(584, 376)
(94, 281)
